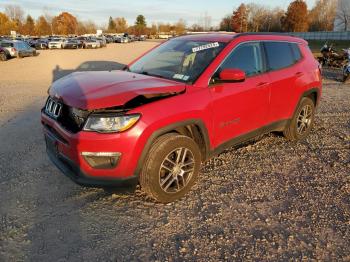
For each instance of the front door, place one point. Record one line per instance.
(240, 107)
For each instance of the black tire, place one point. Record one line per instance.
(3, 57)
(164, 180)
(301, 124)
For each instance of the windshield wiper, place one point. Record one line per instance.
(148, 74)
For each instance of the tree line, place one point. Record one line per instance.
(63, 24)
(245, 18)
(13, 19)
(297, 18)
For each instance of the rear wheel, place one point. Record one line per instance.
(171, 167)
(302, 121)
(3, 57)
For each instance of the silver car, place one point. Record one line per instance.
(18, 48)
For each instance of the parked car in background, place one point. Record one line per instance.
(10, 47)
(122, 39)
(24, 49)
(4, 54)
(82, 40)
(132, 38)
(39, 43)
(42, 43)
(102, 41)
(142, 38)
(109, 39)
(92, 43)
(57, 43)
(72, 43)
(18, 48)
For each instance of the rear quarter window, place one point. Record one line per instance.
(279, 55)
(296, 51)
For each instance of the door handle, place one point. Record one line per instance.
(299, 74)
(262, 84)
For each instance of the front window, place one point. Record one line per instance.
(246, 57)
(179, 60)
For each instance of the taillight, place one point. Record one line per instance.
(13, 49)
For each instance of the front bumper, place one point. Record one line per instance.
(71, 170)
(68, 154)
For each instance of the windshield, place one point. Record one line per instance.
(179, 60)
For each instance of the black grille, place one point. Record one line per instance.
(53, 108)
(71, 119)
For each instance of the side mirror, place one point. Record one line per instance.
(232, 75)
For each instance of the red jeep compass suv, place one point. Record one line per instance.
(181, 103)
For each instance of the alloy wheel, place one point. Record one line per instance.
(304, 119)
(176, 170)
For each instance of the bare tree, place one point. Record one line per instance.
(204, 21)
(274, 24)
(322, 15)
(180, 27)
(342, 18)
(258, 15)
(14, 12)
(207, 21)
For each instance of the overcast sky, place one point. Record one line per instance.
(153, 10)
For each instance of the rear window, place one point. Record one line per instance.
(296, 51)
(279, 55)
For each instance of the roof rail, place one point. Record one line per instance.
(262, 33)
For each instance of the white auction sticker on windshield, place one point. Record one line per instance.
(178, 76)
(181, 77)
(204, 47)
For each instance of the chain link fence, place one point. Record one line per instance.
(322, 35)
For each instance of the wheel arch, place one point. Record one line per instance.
(193, 128)
(313, 93)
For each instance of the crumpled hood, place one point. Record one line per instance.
(104, 89)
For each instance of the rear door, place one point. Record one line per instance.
(284, 74)
(240, 107)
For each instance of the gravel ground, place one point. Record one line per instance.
(268, 199)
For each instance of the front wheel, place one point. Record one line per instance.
(300, 125)
(171, 167)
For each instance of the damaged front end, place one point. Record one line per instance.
(79, 96)
(74, 119)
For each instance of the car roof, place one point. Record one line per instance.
(226, 37)
(219, 37)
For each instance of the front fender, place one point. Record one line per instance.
(152, 132)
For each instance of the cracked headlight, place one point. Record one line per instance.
(109, 124)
